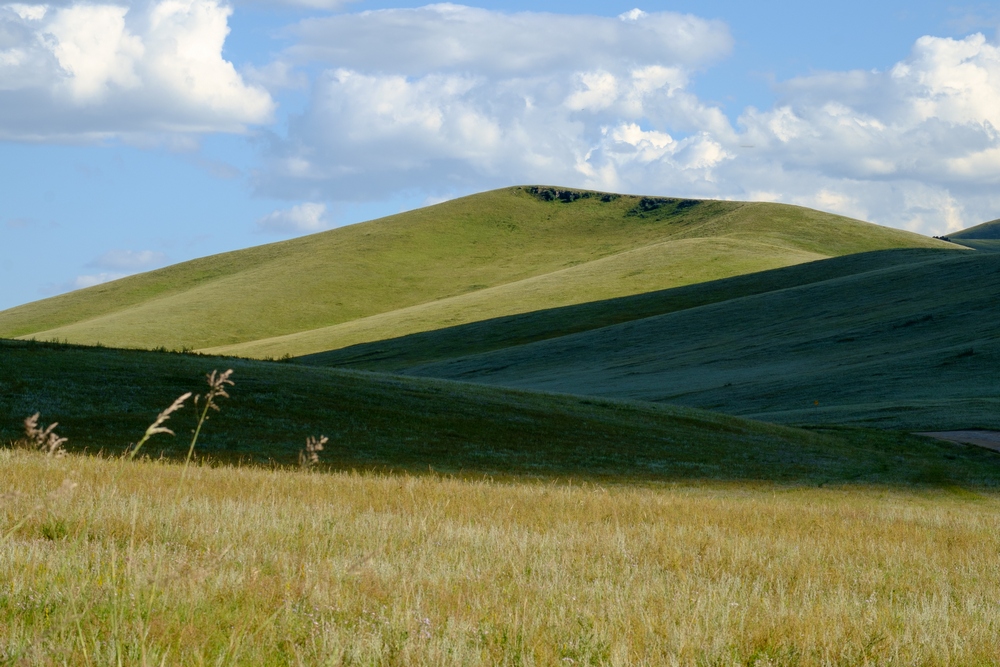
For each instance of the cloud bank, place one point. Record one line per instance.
(87, 71)
(448, 98)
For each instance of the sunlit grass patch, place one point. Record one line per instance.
(250, 566)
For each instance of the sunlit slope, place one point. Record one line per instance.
(414, 258)
(392, 354)
(910, 346)
(103, 399)
(653, 267)
(751, 238)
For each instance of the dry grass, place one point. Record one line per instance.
(250, 566)
(42, 438)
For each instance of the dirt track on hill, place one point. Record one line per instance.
(987, 439)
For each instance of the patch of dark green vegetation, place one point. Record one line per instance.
(568, 196)
(648, 205)
(104, 398)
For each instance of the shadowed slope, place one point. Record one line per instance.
(911, 346)
(493, 334)
(105, 398)
(443, 251)
(987, 230)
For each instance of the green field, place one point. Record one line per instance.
(435, 267)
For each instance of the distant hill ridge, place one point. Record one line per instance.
(493, 254)
(987, 230)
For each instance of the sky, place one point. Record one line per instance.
(136, 134)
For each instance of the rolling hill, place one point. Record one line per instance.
(398, 354)
(912, 345)
(984, 237)
(987, 230)
(495, 254)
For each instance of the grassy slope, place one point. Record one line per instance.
(105, 398)
(646, 269)
(987, 230)
(443, 251)
(911, 346)
(493, 334)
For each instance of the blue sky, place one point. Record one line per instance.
(138, 134)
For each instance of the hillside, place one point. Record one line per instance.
(396, 354)
(984, 237)
(913, 346)
(538, 247)
(103, 399)
(986, 231)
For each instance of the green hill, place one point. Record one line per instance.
(987, 230)
(396, 354)
(103, 399)
(914, 345)
(495, 254)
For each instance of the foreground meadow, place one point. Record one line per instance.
(111, 562)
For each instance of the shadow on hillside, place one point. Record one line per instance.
(397, 354)
(103, 400)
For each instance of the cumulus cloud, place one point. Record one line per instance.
(448, 98)
(93, 70)
(304, 218)
(915, 146)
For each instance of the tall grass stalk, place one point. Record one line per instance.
(216, 389)
(157, 426)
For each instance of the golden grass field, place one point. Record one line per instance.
(113, 562)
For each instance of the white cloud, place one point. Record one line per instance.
(446, 99)
(632, 15)
(29, 12)
(93, 70)
(448, 37)
(304, 218)
(129, 260)
(916, 146)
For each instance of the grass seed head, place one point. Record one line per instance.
(309, 456)
(217, 387)
(44, 439)
(157, 426)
